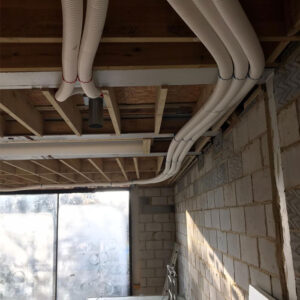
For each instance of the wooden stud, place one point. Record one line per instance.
(98, 165)
(159, 108)
(74, 165)
(136, 166)
(120, 162)
(14, 104)
(113, 109)
(53, 167)
(276, 52)
(68, 111)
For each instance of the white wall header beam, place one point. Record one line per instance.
(113, 78)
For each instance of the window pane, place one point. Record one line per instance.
(93, 245)
(26, 246)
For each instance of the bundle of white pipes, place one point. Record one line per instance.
(225, 31)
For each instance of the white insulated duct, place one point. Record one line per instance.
(72, 11)
(218, 25)
(94, 23)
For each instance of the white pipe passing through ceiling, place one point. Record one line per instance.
(224, 29)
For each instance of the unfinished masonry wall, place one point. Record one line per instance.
(153, 236)
(224, 216)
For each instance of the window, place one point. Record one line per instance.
(64, 246)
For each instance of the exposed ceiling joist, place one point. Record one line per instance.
(75, 165)
(120, 162)
(159, 164)
(14, 104)
(98, 165)
(159, 108)
(68, 111)
(147, 146)
(136, 166)
(113, 109)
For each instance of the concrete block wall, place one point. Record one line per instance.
(224, 216)
(154, 219)
(288, 123)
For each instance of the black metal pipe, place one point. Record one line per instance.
(96, 112)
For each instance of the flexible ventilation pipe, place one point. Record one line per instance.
(72, 11)
(94, 23)
(218, 25)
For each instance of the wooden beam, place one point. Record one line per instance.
(2, 126)
(205, 94)
(98, 165)
(75, 165)
(53, 167)
(159, 164)
(18, 107)
(147, 146)
(276, 52)
(120, 162)
(136, 166)
(113, 109)
(68, 111)
(292, 16)
(159, 108)
(29, 167)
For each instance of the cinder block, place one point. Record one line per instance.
(257, 119)
(213, 239)
(215, 218)
(222, 241)
(142, 245)
(237, 219)
(225, 219)
(211, 199)
(153, 227)
(160, 236)
(261, 280)
(241, 274)
(146, 254)
(145, 236)
(147, 272)
(225, 288)
(166, 191)
(169, 227)
(207, 218)
(233, 242)
(154, 263)
(154, 245)
(255, 220)
(145, 218)
(229, 194)
(219, 197)
(265, 150)
(235, 169)
(141, 227)
(268, 260)
(240, 134)
(251, 158)
(156, 281)
(228, 267)
(288, 125)
(249, 250)
(163, 218)
(244, 190)
(262, 186)
(276, 288)
(147, 291)
(159, 200)
(291, 170)
(164, 254)
(270, 221)
(152, 192)
(168, 245)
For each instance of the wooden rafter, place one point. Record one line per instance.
(159, 108)
(68, 111)
(205, 93)
(10, 170)
(136, 166)
(113, 109)
(276, 52)
(147, 146)
(98, 165)
(53, 167)
(74, 165)
(14, 104)
(120, 162)
(30, 168)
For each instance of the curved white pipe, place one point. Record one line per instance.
(94, 23)
(72, 11)
(256, 68)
